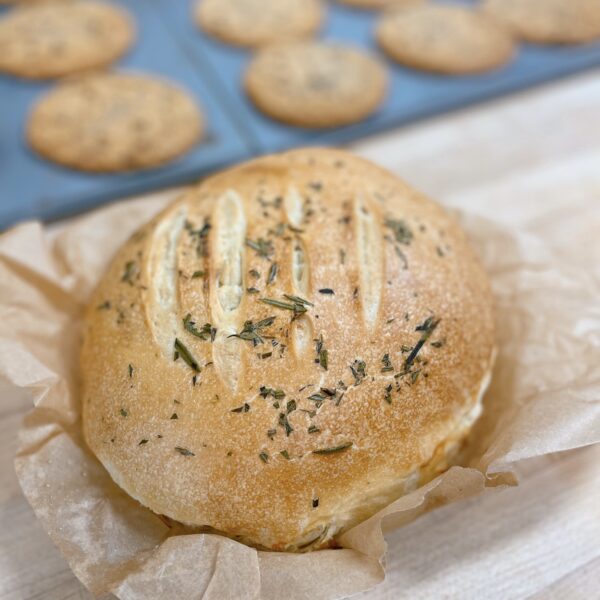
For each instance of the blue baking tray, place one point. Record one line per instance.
(31, 187)
(413, 94)
(170, 44)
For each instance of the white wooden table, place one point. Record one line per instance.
(493, 158)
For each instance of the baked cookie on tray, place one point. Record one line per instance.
(549, 21)
(259, 22)
(316, 84)
(44, 40)
(445, 39)
(114, 122)
(377, 4)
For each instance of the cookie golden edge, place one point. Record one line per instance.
(377, 4)
(43, 73)
(394, 51)
(316, 119)
(312, 22)
(530, 32)
(351, 510)
(47, 151)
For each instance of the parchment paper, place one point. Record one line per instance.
(544, 397)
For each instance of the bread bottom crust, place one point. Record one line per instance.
(359, 509)
(444, 456)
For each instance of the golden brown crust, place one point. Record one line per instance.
(398, 300)
(448, 39)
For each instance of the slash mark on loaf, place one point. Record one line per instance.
(163, 309)
(227, 268)
(303, 331)
(369, 254)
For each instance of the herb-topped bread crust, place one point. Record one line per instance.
(286, 349)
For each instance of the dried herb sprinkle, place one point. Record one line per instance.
(334, 449)
(283, 422)
(387, 364)
(388, 394)
(426, 329)
(263, 248)
(272, 273)
(359, 370)
(184, 451)
(253, 332)
(129, 272)
(296, 307)
(322, 353)
(265, 392)
(400, 229)
(208, 332)
(184, 353)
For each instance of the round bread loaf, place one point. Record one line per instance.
(286, 349)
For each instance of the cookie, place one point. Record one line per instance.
(114, 122)
(377, 4)
(259, 22)
(45, 40)
(549, 21)
(29, 2)
(445, 39)
(314, 84)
